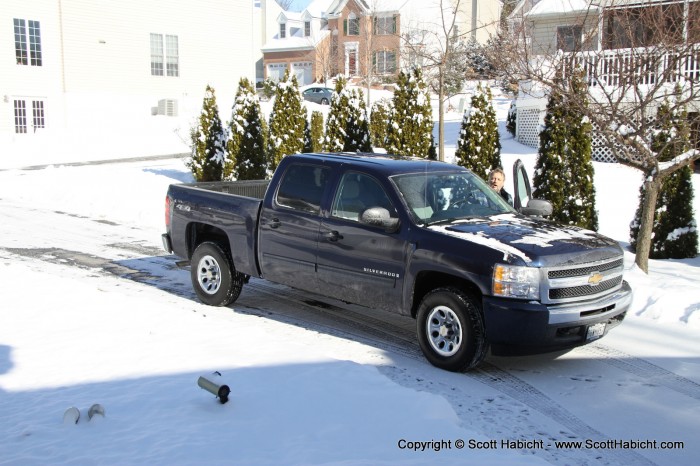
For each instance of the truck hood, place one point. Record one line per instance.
(537, 242)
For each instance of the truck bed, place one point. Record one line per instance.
(227, 208)
(254, 189)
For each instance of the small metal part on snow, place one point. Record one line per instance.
(71, 416)
(96, 409)
(220, 391)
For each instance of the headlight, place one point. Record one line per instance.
(516, 282)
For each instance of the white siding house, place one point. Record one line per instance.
(111, 75)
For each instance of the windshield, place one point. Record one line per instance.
(445, 197)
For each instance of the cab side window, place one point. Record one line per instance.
(302, 188)
(357, 193)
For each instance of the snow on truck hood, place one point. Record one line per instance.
(532, 240)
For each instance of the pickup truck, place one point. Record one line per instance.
(423, 238)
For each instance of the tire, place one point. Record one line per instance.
(451, 330)
(214, 278)
(324, 101)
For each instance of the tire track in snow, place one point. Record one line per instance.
(345, 322)
(651, 373)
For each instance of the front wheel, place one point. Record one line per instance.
(451, 330)
(214, 278)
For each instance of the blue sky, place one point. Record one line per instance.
(298, 5)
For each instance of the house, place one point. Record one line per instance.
(292, 40)
(363, 38)
(98, 75)
(478, 20)
(611, 41)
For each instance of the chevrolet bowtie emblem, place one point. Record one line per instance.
(595, 278)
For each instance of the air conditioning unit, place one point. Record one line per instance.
(167, 107)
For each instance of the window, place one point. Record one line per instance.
(302, 188)
(351, 26)
(27, 52)
(569, 38)
(38, 114)
(307, 28)
(283, 30)
(385, 25)
(20, 116)
(172, 61)
(38, 120)
(385, 62)
(357, 193)
(164, 55)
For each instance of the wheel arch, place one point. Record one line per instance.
(428, 281)
(198, 233)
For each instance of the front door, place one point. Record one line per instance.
(521, 186)
(357, 262)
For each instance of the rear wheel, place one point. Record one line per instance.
(324, 101)
(451, 330)
(214, 278)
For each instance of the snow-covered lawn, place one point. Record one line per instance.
(92, 311)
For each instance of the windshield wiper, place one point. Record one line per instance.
(452, 219)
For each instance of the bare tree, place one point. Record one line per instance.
(440, 50)
(635, 58)
(326, 57)
(379, 44)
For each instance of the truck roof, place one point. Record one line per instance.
(387, 164)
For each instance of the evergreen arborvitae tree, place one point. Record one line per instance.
(314, 138)
(287, 120)
(208, 142)
(246, 146)
(564, 171)
(580, 203)
(410, 126)
(338, 115)
(551, 181)
(479, 145)
(347, 128)
(675, 230)
(358, 138)
(378, 122)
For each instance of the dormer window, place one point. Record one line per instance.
(307, 28)
(283, 30)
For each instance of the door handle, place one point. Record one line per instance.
(334, 235)
(275, 223)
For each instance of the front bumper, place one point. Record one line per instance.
(520, 327)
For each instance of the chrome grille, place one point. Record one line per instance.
(564, 273)
(584, 290)
(588, 281)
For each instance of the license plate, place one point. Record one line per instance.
(595, 331)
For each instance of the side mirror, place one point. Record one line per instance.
(380, 217)
(537, 208)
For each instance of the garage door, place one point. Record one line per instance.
(304, 72)
(275, 71)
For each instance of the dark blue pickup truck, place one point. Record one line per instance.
(422, 238)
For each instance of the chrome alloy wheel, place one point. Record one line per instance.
(209, 274)
(444, 331)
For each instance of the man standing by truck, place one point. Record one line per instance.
(496, 179)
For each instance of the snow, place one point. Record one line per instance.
(93, 311)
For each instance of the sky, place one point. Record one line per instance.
(299, 5)
(92, 310)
